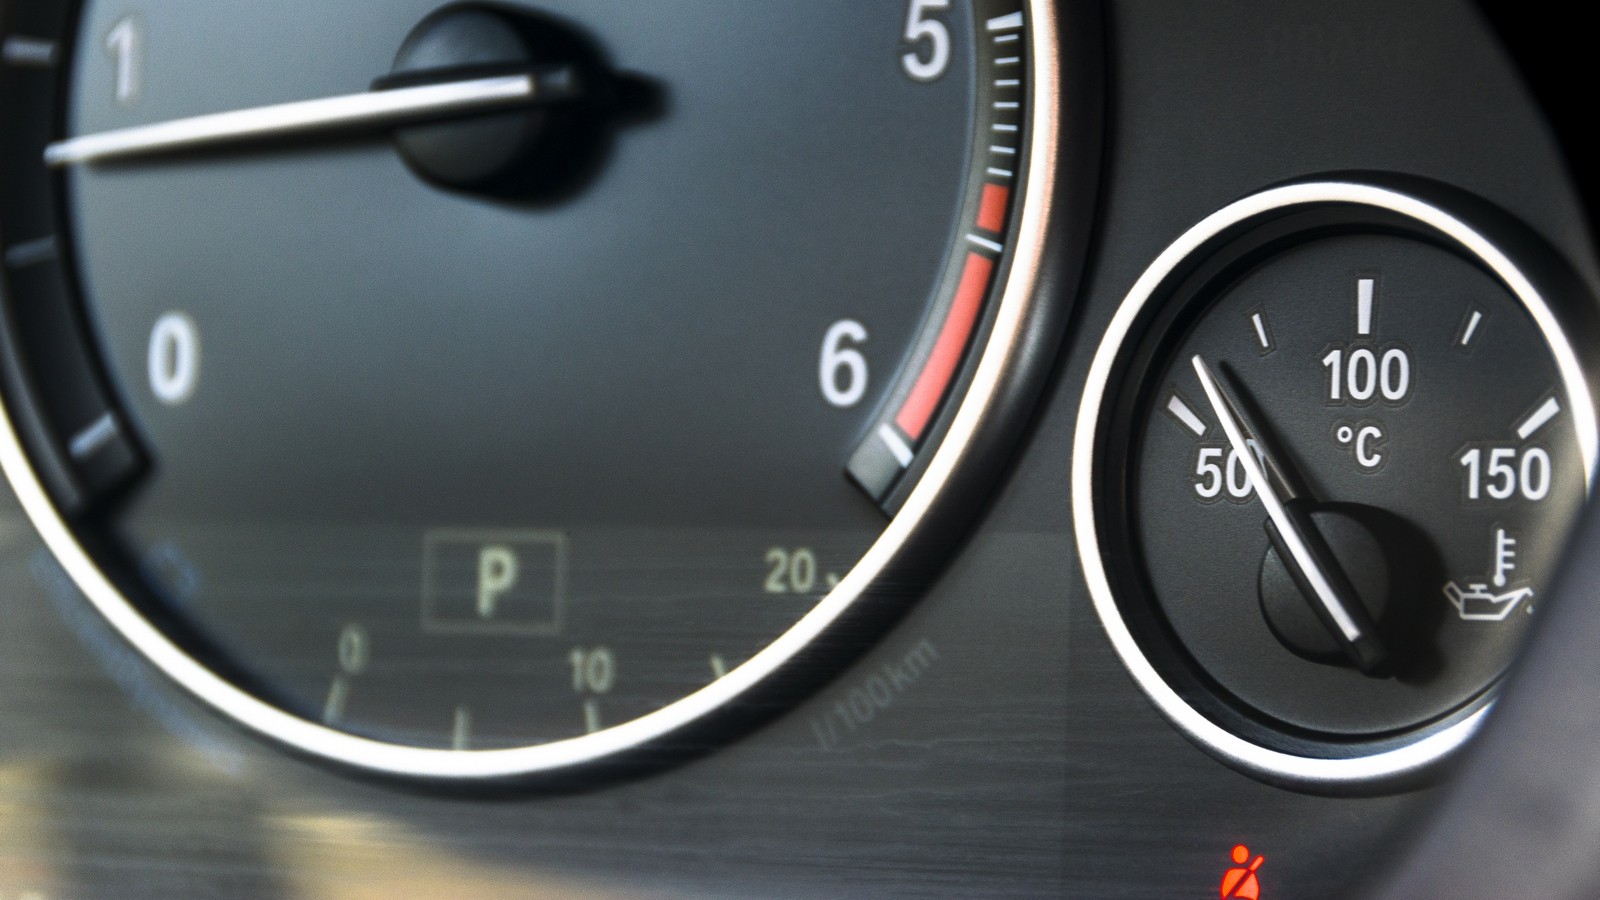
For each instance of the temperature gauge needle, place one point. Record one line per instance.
(1306, 552)
(365, 111)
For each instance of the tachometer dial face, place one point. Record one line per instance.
(1334, 479)
(484, 389)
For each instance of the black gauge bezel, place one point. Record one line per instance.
(1173, 290)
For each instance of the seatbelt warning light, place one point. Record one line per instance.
(1240, 882)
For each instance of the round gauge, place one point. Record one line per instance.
(479, 390)
(1334, 443)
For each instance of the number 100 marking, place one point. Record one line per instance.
(1360, 374)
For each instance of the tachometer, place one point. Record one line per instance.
(482, 390)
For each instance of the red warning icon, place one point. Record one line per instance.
(1240, 882)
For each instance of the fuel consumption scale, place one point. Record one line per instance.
(1331, 449)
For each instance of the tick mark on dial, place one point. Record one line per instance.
(1540, 417)
(1183, 413)
(28, 52)
(31, 253)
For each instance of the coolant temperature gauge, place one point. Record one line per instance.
(1332, 446)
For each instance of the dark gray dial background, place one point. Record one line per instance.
(380, 358)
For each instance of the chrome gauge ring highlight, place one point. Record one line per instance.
(1332, 446)
(474, 515)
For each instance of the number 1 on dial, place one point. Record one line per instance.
(125, 43)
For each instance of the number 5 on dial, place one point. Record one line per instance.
(923, 29)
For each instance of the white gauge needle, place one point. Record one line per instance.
(1307, 550)
(374, 109)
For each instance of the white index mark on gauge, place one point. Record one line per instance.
(1364, 300)
(591, 715)
(985, 243)
(89, 441)
(1539, 418)
(1007, 104)
(338, 692)
(31, 52)
(462, 732)
(31, 253)
(1181, 411)
(1007, 82)
(896, 444)
(1008, 129)
(1005, 23)
(1003, 150)
(1005, 38)
(1471, 328)
(1008, 60)
(1259, 320)
(719, 667)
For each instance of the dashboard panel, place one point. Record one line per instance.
(979, 737)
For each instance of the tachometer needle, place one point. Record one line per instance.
(1309, 556)
(367, 110)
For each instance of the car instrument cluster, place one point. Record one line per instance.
(974, 447)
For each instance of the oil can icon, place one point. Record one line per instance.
(1479, 604)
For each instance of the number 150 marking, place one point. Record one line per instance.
(1506, 474)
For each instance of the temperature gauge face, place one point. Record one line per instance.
(481, 389)
(1335, 489)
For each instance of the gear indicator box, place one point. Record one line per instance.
(493, 582)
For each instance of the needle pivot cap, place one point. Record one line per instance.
(513, 154)
(1291, 616)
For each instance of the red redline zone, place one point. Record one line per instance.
(952, 342)
(992, 208)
